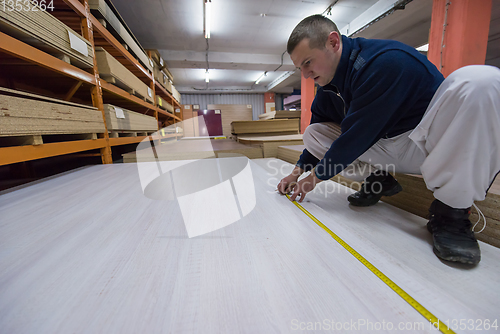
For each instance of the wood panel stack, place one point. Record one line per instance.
(25, 114)
(160, 71)
(114, 72)
(43, 31)
(266, 127)
(280, 114)
(123, 119)
(270, 144)
(231, 113)
(101, 10)
(290, 153)
(176, 94)
(164, 104)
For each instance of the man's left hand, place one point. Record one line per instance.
(304, 186)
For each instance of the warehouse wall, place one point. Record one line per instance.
(256, 100)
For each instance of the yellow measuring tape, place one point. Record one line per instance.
(409, 299)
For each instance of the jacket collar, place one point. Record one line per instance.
(342, 69)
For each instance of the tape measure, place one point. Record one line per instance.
(409, 299)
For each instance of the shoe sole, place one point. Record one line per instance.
(456, 258)
(391, 192)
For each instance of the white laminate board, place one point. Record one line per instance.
(88, 252)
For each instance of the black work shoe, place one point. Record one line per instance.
(452, 233)
(376, 185)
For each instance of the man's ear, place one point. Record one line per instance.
(334, 40)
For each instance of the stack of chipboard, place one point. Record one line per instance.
(176, 94)
(162, 66)
(42, 30)
(160, 73)
(123, 119)
(164, 104)
(114, 72)
(101, 10)
(231, 113)
(280, 114)
(270, 144)
(29, 114)
(267, 127)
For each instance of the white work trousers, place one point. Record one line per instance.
(455, 147)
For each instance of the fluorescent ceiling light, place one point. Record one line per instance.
(207, 76)
(208, 17)
(423, 48)
(261, 77)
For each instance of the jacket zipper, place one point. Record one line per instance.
(338, 94)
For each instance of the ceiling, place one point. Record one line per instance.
(248, 37)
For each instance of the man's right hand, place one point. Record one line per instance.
(287, 184)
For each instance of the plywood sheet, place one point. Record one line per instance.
(265, 126)
(114, 72)
(133, 121)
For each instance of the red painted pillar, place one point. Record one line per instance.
(465, 34)
(269, 103)
(306, 100)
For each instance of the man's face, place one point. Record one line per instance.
(319, 64)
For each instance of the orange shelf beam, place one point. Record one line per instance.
(24, 51)
(14, 154)
(126, 140)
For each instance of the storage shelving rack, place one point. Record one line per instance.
(44, 69)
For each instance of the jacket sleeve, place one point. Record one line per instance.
(382, 91)
(307, 161)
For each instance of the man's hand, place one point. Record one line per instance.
(287, 184)
(304, 186)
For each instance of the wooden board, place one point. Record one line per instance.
(29, 114)
(270, 144)
(200, 148)
(42, 30)
(279, 114)
(101, 9)
(99, 255)
(114, 72)
(231, 113)
(133, 121)
(265, 127)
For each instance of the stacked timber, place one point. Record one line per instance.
(280, 114)
(42, 30)
(266, 127)
(115, 73)
(126, 120)
(164, 104)
(231, 113)
(270, 144)
(25, 114)
(101, 10)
